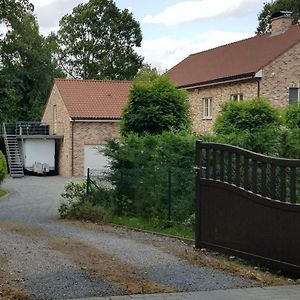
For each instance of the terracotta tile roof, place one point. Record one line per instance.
(233, 60)
(94, 99)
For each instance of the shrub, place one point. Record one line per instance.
(79, 205)
(155, 106)
(250, 115)
(83, 211)
(292, 117)
(101, 196)
(252, 124)
(3, 167)
(75, 191)
(143, 168)
(290, 143)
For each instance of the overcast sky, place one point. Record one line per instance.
(172, 29)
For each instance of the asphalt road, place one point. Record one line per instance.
(46, 258)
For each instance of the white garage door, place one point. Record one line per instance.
(94, 159)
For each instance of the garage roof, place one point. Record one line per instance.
(94, 99)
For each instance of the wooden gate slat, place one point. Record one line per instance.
(207, 163)
(229, 167)
(293, 187)
(282, 184)
(254, 176)
(273, 181)
(247, 222)
(237, 169)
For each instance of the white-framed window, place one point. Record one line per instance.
(294, 96)
(237, 97)
(207, 108)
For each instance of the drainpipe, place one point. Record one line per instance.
(258, 76)
(72, 152)
(258, 88)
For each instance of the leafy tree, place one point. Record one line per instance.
(97, 41)
(269, 8)
(11, 11)
(146, 73)
(252, 124)
(26, 71)
(155, 107)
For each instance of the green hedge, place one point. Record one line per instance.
(152, 174)
(292, 117)
(252, 124)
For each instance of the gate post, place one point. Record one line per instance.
(88, 181)
(198, 169)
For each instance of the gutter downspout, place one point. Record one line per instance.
(258, 76)
(72, 151)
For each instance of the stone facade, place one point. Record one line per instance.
(219, 94)
(280, 75)
(277, 77)
(70, 150)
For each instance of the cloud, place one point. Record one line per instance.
(188, 11)
(165, 52)
(49, 12)
(39, 3)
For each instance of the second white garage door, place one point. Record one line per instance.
(94, 159)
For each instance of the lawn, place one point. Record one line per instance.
(180, 230)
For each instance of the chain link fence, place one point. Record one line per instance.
(159, 193)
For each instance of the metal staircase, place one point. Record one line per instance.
(13, 153)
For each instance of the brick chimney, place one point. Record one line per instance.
(280, 22)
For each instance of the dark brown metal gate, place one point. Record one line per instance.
(248, 204)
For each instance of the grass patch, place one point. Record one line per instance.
(2, 192)
(180, 230)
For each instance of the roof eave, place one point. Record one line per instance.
(219, 81)
(99, 120)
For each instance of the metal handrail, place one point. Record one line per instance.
(30, 128)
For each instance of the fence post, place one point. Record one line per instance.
(198, 166)
(88, 181)
(169, 195)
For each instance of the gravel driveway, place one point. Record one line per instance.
(44, 258)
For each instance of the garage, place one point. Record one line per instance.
(94, 158)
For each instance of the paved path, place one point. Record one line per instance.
(269, 293)
(54, 260)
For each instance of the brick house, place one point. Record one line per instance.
(86, 113)
(266, 65)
